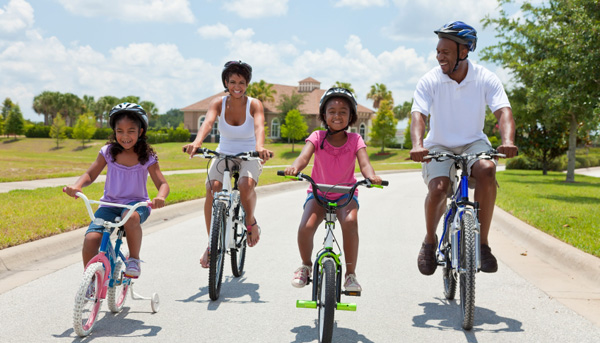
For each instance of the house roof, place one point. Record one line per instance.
(310, 106)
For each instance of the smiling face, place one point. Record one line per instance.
(127, 132)
(236, 84)
(446, 54)
(337, 113)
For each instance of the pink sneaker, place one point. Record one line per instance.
(301, 276)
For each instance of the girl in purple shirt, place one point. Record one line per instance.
(129, 159)
(336, 152)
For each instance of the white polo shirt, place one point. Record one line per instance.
(458, 110)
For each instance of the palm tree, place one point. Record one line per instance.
(71, 106)
(346, 85)
(261, 90)
(105, 104)
(150, 109)
(46, 103)
(378, 93)
(403, 111)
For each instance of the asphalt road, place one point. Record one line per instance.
(398, 304)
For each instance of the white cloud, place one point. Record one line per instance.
(257, 8)
(133, 10)
(215, 31)
(357, 4)
(16, 16)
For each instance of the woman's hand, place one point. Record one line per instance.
(191, 148)
(264, 154)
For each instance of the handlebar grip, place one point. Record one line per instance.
(255, 154)
(280, 173)
(385, 183)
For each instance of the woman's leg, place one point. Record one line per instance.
(211, 188)
(248, 198)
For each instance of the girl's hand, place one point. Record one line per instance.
(158, 202)
(71, 190)
(192, 148)
(375, 180)
(291, 170)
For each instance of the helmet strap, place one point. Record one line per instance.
(331, 132)
(458, 59)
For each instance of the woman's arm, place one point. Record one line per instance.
(258, 112)
(211, 116)
(161, 184)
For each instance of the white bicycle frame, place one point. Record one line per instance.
(231, 199)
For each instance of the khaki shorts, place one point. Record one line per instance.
(446, 168)
(251, 169)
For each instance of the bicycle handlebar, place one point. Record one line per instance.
(332, 188)
(100, 221)
(207, 153)
(442, 156)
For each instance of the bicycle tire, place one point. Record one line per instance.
(117, 294)
(217, 251)
(326, 301)
(238, 254)
(85, 311)
(448, 275)
(469, 265)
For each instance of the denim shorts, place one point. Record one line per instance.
(342, 199)
(110, 213)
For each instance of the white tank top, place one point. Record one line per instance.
(236, 139)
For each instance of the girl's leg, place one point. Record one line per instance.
(133, 230)
(211, 188)
(248, 199)
(348, 217)
(311, 218)
(91, 244)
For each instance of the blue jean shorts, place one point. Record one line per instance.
(342, 199)
(110, 213)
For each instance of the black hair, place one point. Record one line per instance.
(141, 147)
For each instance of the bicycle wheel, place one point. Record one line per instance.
(238, 254)
(87, 305)
(117, 294)
(217, 251)
(326, 301)
(469, 268)
(448, 275)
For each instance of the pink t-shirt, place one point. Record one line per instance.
(335, 165)
(125, 184)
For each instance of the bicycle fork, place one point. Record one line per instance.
(455, 232)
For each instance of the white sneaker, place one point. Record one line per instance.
(301, 276)
(351, 284)
(133, 269)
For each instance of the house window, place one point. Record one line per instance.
(215, 128)
(275, 128)
(200, 121)
(363, 131)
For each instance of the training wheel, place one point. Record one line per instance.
(155, 302)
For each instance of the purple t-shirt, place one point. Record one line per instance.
(335, 165)
(125, 184)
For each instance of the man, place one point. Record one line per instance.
(454, 95)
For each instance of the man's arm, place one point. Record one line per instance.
(417, 131)
(506, 123)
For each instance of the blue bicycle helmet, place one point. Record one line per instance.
(460, 33)
(135, 109)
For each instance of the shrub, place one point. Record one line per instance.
(38, 131)
(102, 133)
(69, 132)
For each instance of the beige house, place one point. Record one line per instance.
(193, 115)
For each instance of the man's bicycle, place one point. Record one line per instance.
(104, 276)
(458, 250)
(228, 231)
(327, 269)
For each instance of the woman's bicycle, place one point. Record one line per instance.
(458, 250)
(327, 269)
(104, 276)
(228, 231)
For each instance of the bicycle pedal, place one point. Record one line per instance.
(306, 304)
(352, 293)
(346, 307)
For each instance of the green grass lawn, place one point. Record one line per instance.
(567, 211)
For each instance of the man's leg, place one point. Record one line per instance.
(435, 204)
(484, 171)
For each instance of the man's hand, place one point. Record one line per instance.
(508, 150)
(418, 153)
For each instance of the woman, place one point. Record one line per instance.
(241, 126)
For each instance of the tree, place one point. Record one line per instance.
(403, 111)
(71, 106)
(85, 128)
(57, 131)
(150, 108)
(383, 130)
(291, 102)
(295, 127)
(261, 90)
(46, 103)
(378, 93)
(548, 50)
(105, 104)
(7, 106)
(346, 85)
(14, 124)
(130, 98)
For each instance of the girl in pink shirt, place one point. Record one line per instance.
(130, 159)
(336, 152)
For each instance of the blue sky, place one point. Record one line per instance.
(171, 51)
